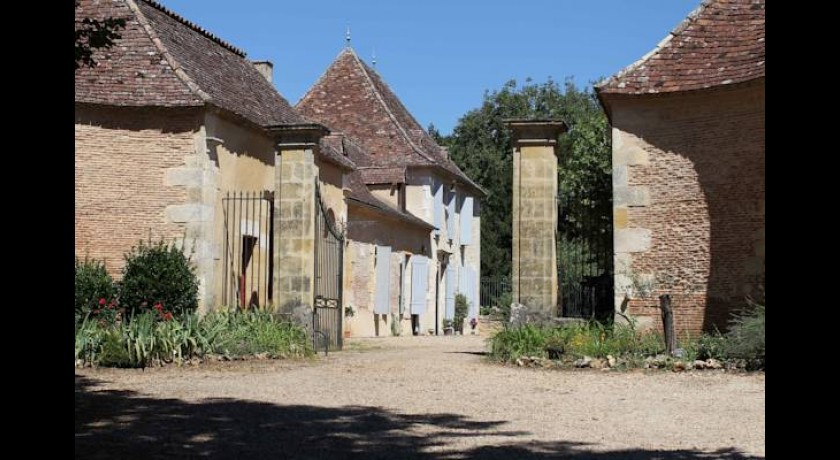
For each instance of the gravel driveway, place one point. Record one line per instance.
(415, 397)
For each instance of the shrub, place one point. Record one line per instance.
(462, 306)
(146, 339)
(92, 284)
(707, 346)
(503, 305)
(577, 339)
(745, 339)
(159, 273)
(259, 332)
(512, 343)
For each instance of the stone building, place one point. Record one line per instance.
(688, 167)
(178, 135)
(398, 269)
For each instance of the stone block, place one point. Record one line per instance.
(631, 196)
(182, 213)
(632, 240)
(187, 177)
(620, 218)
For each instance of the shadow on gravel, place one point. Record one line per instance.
(116, 424)
(477, 353)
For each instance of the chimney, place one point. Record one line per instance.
(445, 151)
(265, 68)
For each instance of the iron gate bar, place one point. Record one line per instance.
(584, 258)
(246, 210)
(327, 315)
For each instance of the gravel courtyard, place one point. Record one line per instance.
(415, 397)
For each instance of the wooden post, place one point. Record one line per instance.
(668, 323)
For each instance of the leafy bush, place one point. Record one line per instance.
(577, 339)
(462, 306)
(147, 339)
(159, 273)
(258, 332)
(707, 346)
(512, 343)
(745, 339)
(92, 284)
(503, 305)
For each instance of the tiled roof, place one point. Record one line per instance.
(383, 175)
(720, 43)
(352, 98)
(332, 151)
(360, 195)
(164, 60)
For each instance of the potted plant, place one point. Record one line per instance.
(462, 306)
(447, 327)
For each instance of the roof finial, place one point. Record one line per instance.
(374, 58)
(347, 35)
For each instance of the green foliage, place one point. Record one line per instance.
(500, 310)
(93, 34)
(146, 340)
(707, 346)
(579, 339)
(92, 284)
(481, 147)
(745, 338)
(462, 306)
(512, 343)
(159, 273)
(259, 332)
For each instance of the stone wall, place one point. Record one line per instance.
(366, 229)
(688, 182)
(124, 187)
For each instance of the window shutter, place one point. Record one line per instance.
(466, 220)
(419, 283)
(450, 218)
(382, 291)
(450, 292)
(437, 191)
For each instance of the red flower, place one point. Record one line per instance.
(159, 307)
(102, 302)
(167, 316)
(112, 304)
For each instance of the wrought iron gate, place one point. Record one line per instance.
(585, 257)
(329, 258)
(247, 261)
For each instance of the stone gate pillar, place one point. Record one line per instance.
(535, 214)
(294, 220)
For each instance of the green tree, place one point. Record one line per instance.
(441, 140)
(93, 34)
(480, 145)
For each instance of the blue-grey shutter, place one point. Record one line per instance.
(466, 220)
(437, 198)
(449, 313)
(402, 286)
(450, 218)
(419, 283)
(473, 293)
(382, 291)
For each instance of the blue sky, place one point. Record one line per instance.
(440, 56)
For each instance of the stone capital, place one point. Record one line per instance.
(526, 132)
(297, 137)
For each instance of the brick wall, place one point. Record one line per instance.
(120, 159)
(689, 201)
